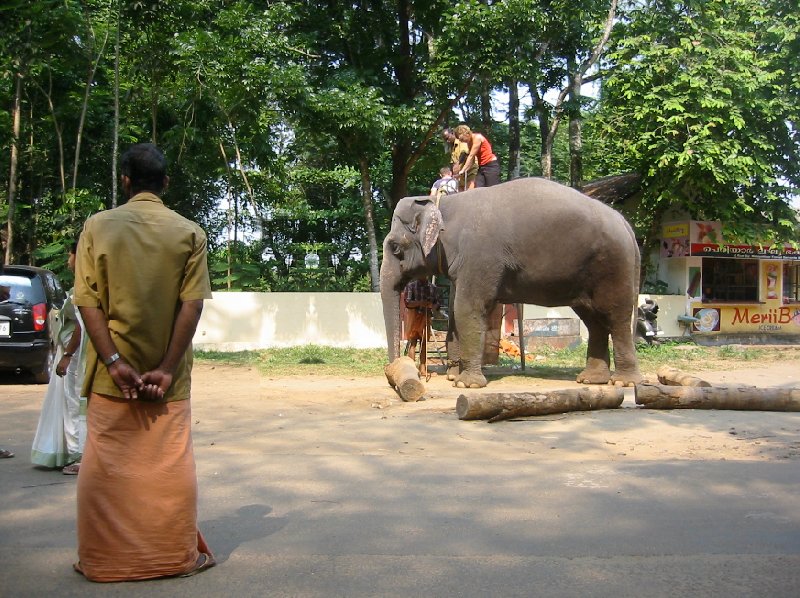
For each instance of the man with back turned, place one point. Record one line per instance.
(141, 278)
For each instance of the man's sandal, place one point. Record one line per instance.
(204, 561)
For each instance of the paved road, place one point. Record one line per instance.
(401, 500)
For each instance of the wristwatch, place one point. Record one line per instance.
(111, 360)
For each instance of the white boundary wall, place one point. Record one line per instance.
(241, 321)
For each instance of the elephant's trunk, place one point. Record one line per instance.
(390, 297)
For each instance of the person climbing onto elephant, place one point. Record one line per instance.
(480, 150)
(458, 157)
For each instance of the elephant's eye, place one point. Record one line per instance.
(394, 248)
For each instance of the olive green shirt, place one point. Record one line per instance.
(462, 149)
(138, 263)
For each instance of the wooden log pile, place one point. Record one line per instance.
(677, 390)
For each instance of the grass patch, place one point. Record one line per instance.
(307, 360)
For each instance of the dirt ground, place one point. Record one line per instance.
(632, 433)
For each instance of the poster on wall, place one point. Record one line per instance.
(708, 319)
(771, 274)
(706, 232)
(675, 239)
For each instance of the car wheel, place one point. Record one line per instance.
(43, 375)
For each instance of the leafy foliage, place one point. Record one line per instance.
(292, 128)
(700, 101)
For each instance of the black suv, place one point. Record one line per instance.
(30, 300)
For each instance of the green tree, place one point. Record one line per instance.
(701, 100)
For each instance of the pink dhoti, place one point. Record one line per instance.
(137, 491)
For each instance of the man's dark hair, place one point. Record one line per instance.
(145, 166)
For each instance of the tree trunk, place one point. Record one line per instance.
(369, 220)
(231, 198)
(673, 377)
(743, 398)
(543, 120)
(32, 203)
(486, 107)
(403, 376)
(16, 119)
(115, 141)
(59, 134)
(575, 76)
(513, 130)
(402, 159)
(499, 406)
(85, 107)
(575, 139)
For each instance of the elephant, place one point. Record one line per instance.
(529, 240)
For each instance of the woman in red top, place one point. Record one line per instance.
(481, 150)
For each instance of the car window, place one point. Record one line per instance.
(56, 292)
(20, 289)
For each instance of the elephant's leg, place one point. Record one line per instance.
(453, 342)
(626, 365)
(470, 323)
(598, 359)
(616, 315)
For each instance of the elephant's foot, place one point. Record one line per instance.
(453, 370)
(594, 376)
(470, 380)
(626, 378)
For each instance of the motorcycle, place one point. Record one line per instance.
(647, 329)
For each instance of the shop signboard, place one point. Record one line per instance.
(786, 252)
(704, 239)
(747, 318)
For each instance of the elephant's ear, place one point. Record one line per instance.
(432, 225)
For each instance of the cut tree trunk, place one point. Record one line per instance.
(403, 376)
(745, 398)
(503, 405)
(673, 377)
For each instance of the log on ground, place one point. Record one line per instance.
(743, 398)
(503, 405)
(403, 376)
(674, 377)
